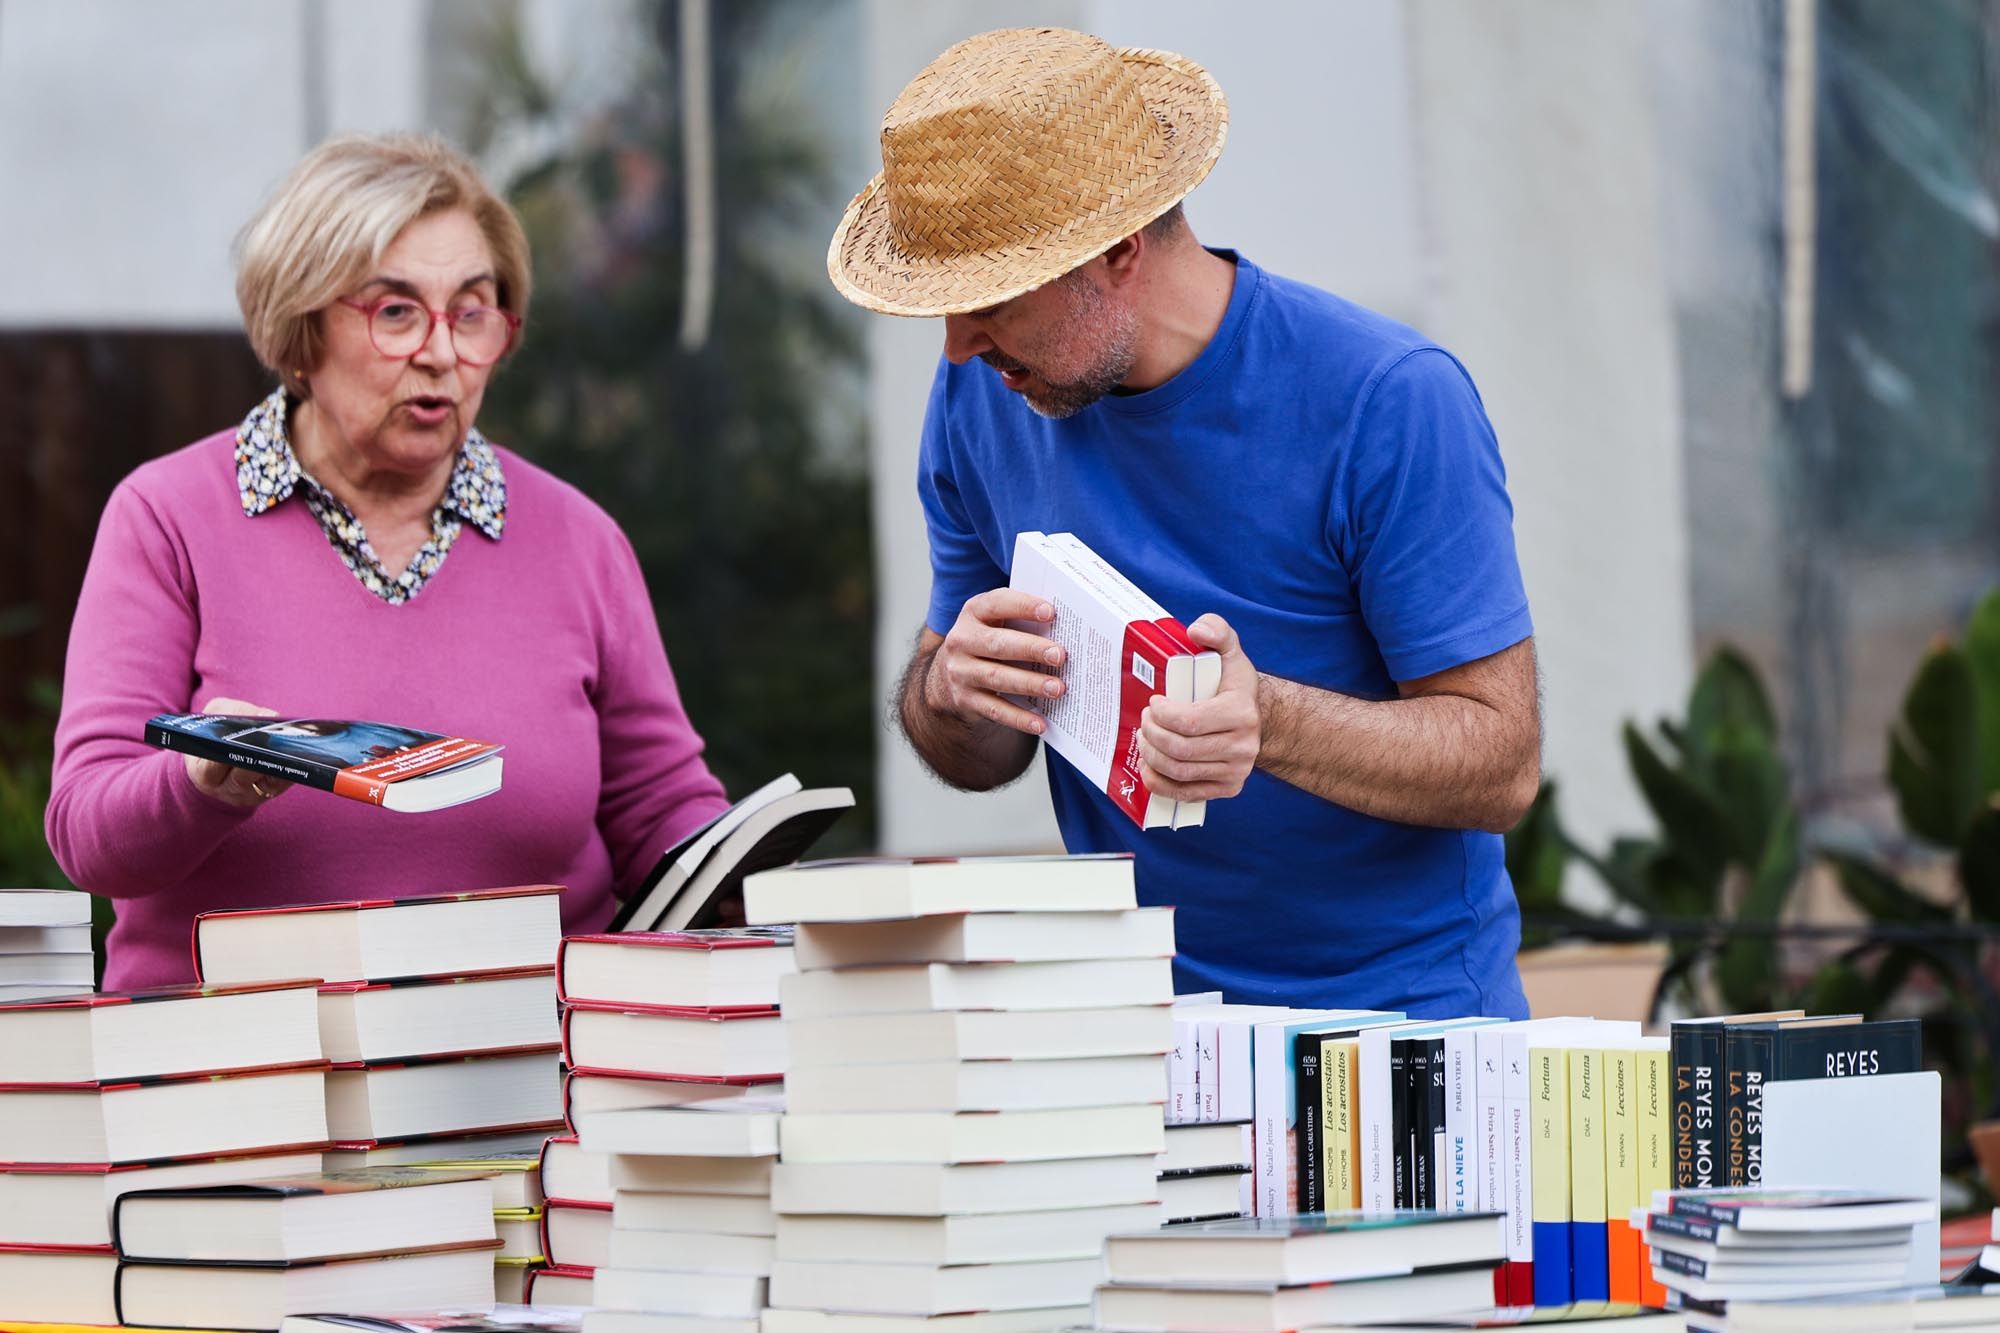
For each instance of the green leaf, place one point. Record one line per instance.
(1979, 865)
(1982, 651)
(1933, 749)
(1695, 829)
(1624, 871)
(1880, 895)
(1842, 988)
(1727, 696)
(1750, 785)
(1537, 854)
(1747, 971)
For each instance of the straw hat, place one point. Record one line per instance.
(1016, 156)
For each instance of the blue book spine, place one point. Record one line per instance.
(1552, 1263)
(1590, 1261)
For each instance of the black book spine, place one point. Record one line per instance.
(1680, 1263)
(1307, 1081)
(1694, 1103)
(1745, 1057)
(1856, 1050)
(289, 767)
(1432, 1147)
(1399, 1123)
(1422, 1058)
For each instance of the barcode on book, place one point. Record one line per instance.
(1143, 670)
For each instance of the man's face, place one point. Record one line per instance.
(1061, 346)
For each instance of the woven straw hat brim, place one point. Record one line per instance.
(871, 270)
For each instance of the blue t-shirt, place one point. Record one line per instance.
(1325, 479)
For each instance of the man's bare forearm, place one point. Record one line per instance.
(977, 755)
(1440, 760)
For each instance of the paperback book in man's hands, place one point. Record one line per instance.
(398, 768)
(1121, 648)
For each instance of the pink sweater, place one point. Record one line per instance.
(543, 641)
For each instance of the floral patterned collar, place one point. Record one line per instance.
(268, 473)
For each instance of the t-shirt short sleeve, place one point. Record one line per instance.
(961, 565)
(1424, 523)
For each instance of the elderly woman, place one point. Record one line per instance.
(355, 548)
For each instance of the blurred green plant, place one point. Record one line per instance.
(738, 468)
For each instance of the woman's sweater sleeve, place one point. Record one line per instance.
(655, 786)
(124, 817)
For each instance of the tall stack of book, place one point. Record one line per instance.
(651, 1022)
(105, 1094)
(247, 1256)
(438, 1014)
(974, 1096)
(44, 944)
(1269, 1274)
(1715, 1248)
(691, 1223)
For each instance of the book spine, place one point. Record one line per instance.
(1548, 1083)
(1696, 1052)
(1181, 1064)
(1308, 1081)
(1519, 1173)
(1268, 1060)
(1234, 1071)
(1621, 1173)
(1487, 1099)
(1458, 1157)
(1143, 670)
(1207, 1070)
(239, 755)
(1654, 1107)
(1342, 1173)
(1399, 1125)
(1675, 1224)
(1377, 1095)
(1751, 1054)
(1430, 1148)
(1590, 1261)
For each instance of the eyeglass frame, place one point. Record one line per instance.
(431, 318)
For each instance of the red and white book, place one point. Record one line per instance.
(572, 1175)
(124, 1036)
(259, 1296)
(586, 1092)
(1121, 649)
(164, 1119)
(417, 1099)
(438, 1148)
(570, 1287)
(744, 1045)
(71, 1204)
(415, 1017)
(447, 934)
(576, 1235)
(734, 968)
(59, 1284)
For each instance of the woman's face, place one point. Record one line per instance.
(408, 414)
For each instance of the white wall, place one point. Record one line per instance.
(1484, 169)
(136, 137)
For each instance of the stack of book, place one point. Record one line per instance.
(975, 1089)
(651, 1021)
(44, 944)
(247, 1256)
(517, 1213)
(1269, 1274)
(1712, 1248)
(105, 1094)
(1206, 1172)
(437, 1013)
(691, 1223)
(1903, 1311)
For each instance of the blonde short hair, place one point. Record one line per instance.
(327, 225)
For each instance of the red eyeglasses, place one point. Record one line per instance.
(400, 326)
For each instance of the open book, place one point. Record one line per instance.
(771, 827)
(396, 767)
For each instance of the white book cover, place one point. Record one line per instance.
(1180, 1074)
(1207, 1069)
(1812, 1128)
(1488, 1115)
(1456, 1168)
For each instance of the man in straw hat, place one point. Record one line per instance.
(1322, 483)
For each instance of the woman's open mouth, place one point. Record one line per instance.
(429, 410)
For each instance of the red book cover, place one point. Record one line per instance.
(452, 1057)
(362, 905)
(192, 1076)
(551, 1206)
(704, 1080)
(705, 941)
(435, 979)
(193, 991)
(356, 759)
(581, 1274)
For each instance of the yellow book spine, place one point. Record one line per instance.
(1621, 1135)
(1586, 1136)
(1339, 1141)
(1653, 1101)
(1548, 1128)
